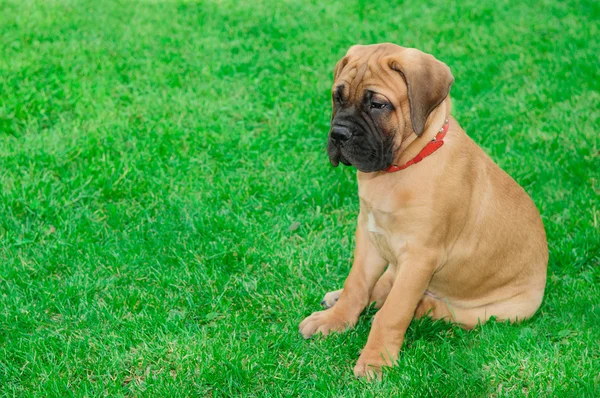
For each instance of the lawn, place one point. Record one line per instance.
(168, 214)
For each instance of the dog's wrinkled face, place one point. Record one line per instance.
(362, 128)
(381, 94)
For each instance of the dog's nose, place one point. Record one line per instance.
(340, 133)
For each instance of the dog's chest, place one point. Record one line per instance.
(378, 226)
(372, 224)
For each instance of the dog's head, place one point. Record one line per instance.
(382, 93)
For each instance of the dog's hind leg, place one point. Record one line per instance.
(331, 298)
(378, 295)
(514, 309)
(383, 286)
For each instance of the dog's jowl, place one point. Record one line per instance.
(442, 230)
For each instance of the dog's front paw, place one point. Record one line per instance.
(370, 363)
(325, 322)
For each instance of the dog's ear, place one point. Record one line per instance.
(428, 81)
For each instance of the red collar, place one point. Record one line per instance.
(430, 148)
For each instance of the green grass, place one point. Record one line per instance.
(168, 214)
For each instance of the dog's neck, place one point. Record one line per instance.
(412, 145)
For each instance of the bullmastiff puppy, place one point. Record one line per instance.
(442, 230)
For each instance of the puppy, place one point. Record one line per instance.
(442, 230)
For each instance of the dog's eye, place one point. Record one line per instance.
(377, 105)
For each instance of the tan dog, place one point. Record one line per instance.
(461, 240)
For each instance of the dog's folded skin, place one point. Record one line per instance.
(453, 236)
